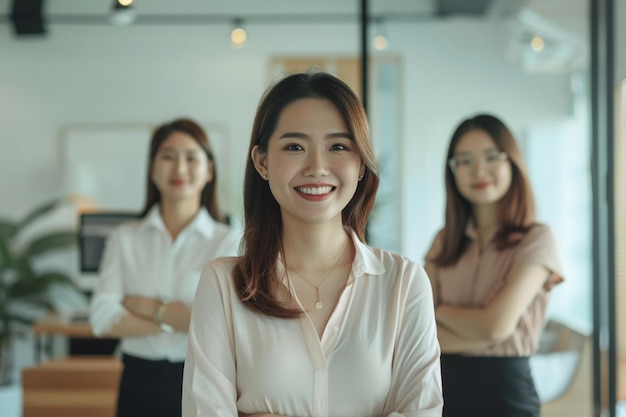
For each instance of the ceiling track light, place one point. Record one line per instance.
(537, 43)
(123, 13)
(238, 36)
(27, 17)
(380, 40)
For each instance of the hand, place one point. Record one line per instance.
(144, 307)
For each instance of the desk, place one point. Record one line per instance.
(55, 324)
(72, 387)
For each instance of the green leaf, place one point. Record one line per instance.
(20, 319)
(5, 255)
(23, 284)
(7, 230)
(39, 301)
(51, 241)
(36, 285)
(56, 278)
(40, 211)
(22, 267)
(26, 288)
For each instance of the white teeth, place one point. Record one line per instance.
(314, 190)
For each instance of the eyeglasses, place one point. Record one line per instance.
(466, 162)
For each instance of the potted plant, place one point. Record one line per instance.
(23, 288)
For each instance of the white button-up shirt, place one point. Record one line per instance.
(140, 258)
(378, 355)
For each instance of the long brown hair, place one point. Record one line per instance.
(516, 209)
(208, 197)
(255, 274)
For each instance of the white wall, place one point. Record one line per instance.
(455, 70)
(148, 74)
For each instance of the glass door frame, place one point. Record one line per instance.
(602, 40)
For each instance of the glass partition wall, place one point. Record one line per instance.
(529, 63)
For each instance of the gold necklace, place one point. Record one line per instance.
(318, 303)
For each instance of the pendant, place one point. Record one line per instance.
(319, 305)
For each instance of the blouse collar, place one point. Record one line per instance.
(365, 260)
(202, 222)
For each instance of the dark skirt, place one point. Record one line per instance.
(150, 388)
(488, 386)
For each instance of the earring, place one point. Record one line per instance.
(360, 177)
(265, 177)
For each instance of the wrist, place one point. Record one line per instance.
(160, 313)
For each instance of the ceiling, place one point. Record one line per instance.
(158, 11)
(267, 7)
(38, 14)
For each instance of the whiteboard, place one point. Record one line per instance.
(108, 163)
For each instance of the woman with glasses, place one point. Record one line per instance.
(492, 267)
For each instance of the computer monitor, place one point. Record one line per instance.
(93, 232)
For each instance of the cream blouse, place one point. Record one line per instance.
(378, 355)
(478, 276)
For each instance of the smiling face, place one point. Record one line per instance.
(312, 163)
(181, 168)
(483, 174)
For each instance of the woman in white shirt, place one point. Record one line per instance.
(310, 321)
(151, 268)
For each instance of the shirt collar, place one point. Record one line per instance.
(365, 260)
(202, 222)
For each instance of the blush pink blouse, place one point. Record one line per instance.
(478, 276)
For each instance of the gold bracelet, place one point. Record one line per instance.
(158, 316)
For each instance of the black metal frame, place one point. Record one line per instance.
(602, 178)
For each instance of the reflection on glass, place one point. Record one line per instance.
(384, 227)
(529, 66)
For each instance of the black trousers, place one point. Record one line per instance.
(150, 388)
(488, 386)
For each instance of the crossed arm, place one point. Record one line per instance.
(140, 318)
(468, 329)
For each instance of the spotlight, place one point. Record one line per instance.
(537, 43)
(380, 40)
(238, 35)
(123, 13)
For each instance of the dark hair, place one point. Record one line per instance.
(516, 209)
(255, 274)
(208, 197)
